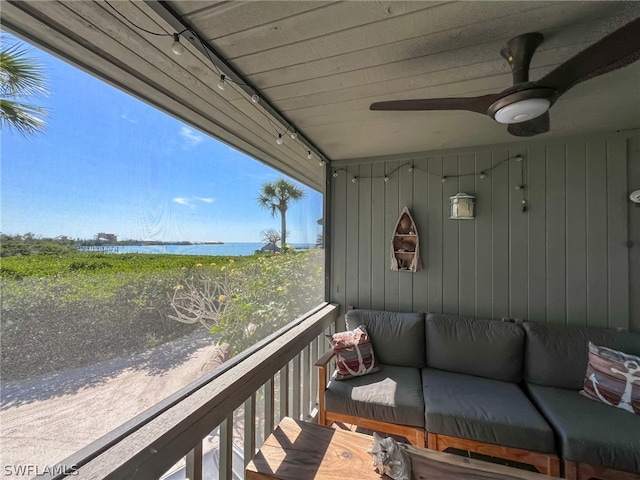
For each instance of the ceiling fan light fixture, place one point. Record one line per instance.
(522, 111)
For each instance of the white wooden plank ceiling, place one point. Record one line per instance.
(321, 64)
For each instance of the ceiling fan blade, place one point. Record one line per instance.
(616, 50)
(530, 128)
(472, 104)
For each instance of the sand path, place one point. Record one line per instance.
(44, 420)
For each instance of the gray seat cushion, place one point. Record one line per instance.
(483, 409)
(550, 346)
(397, 338)
(588, 431)
(484, 348)
(392, 395)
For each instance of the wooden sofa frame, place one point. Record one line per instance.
(547, 463)
(583, 471)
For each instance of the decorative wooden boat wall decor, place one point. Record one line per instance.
(405, 245)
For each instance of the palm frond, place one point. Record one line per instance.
(266, 202)
(24, 118)
(20, 75)
(286, 190)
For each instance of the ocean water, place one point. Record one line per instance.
(231, 249)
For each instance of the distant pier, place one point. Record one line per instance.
(100, 248)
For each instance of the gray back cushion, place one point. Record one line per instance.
(397, 338)
(557, 356)
(484, 348)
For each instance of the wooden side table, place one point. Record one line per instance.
(305, 451)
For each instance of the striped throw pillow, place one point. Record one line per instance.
(354, 353)
(613, 378)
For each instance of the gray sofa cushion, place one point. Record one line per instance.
(485, 348)
(393, 395)
(483, 409)
(588, 431)
(397, 338)
(557, 356)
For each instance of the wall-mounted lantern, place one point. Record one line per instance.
(462, 206)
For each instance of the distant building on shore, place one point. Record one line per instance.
(270, 248)
(106, 237)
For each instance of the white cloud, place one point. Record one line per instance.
(191, 137)
(130, 120)
(189, 201)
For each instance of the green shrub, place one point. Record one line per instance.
(69, 321)
(76, 309)
(244, 305)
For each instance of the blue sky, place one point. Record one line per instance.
(108, 162)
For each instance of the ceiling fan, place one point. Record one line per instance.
(524, 106)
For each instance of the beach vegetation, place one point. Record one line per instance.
(68, 310)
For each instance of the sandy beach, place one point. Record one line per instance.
(44, 420)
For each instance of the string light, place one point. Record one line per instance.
(321, 162)
(309, 155)
(176, 46)
(178, 49)
(525, 206)
(222, 84)
(443, 178)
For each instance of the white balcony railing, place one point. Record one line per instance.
(217, 422)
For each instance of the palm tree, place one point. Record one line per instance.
(275, 196)
(21, 77)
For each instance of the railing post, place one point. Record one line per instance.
(314, 372)
(269, 407)
(284, 391)
(305, 383)
(226, 449)
(194, 462)
(249, 428)
(295, 381)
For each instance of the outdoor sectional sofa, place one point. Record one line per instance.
(496, 388)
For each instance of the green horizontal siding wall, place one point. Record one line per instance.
(566, 260)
